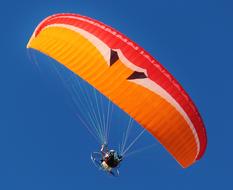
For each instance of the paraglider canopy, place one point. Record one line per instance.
(130, 77)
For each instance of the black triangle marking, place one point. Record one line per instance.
(137, 75)
(113, 57)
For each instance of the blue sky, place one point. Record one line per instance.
(43, 145)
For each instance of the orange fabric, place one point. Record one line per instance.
(154, 113)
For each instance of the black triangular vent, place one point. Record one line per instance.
(137, 75)
(113, 57)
